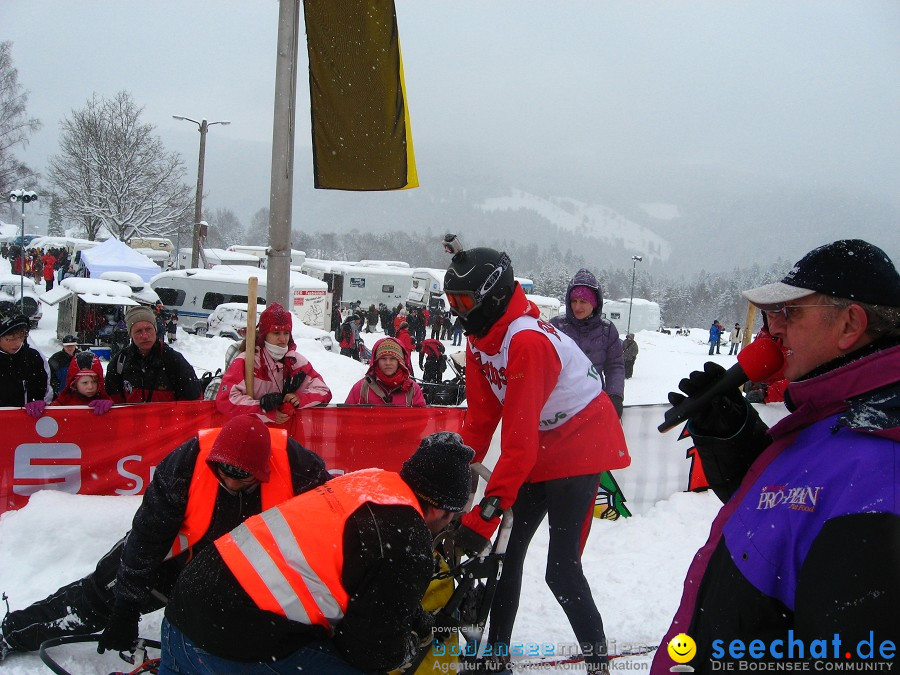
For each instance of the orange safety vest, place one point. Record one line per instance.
(204, 488)
(289, 559)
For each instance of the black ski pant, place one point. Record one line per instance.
(82, 607)
(568, 504)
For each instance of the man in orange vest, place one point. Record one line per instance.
(199, 491)
(330, 581)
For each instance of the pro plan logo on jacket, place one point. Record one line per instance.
(802, 498)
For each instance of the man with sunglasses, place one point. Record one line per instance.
(560, 432)
(201, 490)
(807, 545)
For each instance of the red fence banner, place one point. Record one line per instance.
(72, 450)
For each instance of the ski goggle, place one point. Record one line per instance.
(461, 302)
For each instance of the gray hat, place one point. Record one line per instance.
(137, 314)
(851, 269)
(438, 472)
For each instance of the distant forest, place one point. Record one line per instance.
(693, 302)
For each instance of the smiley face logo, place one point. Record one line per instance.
(682, 648)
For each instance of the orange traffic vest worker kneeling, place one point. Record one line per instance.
(205, 485)
(330, 581)
(289, 559)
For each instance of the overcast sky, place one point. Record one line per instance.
(807, 90)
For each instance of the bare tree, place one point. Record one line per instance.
(112, 172)
(258, 231)
(224, 229)
(15, 125)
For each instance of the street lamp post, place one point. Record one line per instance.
(202, 127)
(635, 259)
(24, 196)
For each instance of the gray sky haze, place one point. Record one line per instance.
(803, 91)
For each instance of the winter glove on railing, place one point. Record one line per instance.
(724, 415)
(292, 383)
(101, 406)
(35, 408)
(269, 402)
(617, 402)
(474, 532)
(121, 630)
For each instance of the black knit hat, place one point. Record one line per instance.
(438, 471)
(13, 323)
(851, 269)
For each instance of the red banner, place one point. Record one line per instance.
(75, 451)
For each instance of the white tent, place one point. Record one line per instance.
(114, 256)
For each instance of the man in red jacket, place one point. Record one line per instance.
(560, 432)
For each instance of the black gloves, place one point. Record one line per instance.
(724, 415)
(269, 402)
(121, 630)
(292, 383)
(617, 402)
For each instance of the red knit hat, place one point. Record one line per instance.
(275, 317)
(244, 443)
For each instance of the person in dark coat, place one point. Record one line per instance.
(805, 546)
(597, 337)
(629, 354)
(715, 337)
(372, 537)
(147, 370)
(59, 363)
(242, 465)
(24, 373)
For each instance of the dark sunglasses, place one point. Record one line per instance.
(233, 472)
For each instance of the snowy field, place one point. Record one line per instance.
(635, 566)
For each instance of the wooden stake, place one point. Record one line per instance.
(250, 337)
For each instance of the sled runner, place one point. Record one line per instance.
(137, 657)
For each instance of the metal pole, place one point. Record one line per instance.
(631, 300)
(22, 270)
(198, 201)
(281, 189)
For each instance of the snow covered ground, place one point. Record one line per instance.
(635, 566)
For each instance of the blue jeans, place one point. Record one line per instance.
(181, 655)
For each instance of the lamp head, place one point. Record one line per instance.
(637, 258)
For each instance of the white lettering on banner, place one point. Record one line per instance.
(138, 481)
(31, 463)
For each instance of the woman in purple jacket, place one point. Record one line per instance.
(597, 337)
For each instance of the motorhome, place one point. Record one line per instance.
(352, 283)
(645, 314)
(195, 293)
(155, 243)
(427, 289)
(262, 252)
(216, 256)
(526, 284)
(163, 259)
(548, 307)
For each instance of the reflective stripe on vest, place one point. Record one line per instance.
(204, 488)
(289, 559)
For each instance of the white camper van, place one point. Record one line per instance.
(645, 315)
(427, 288)
(262, 252)
(216, 256)
(195, 293)
(548, 307)
(367, 284)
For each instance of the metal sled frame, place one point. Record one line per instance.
(137, 657)
(469, 606)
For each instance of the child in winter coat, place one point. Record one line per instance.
(172, 326)
(388, 381)
(84, 384)
(283, 380)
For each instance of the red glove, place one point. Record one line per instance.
(287, 408)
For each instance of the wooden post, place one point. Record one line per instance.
(250, 337)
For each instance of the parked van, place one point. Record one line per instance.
(427, 289)
(548, 307)
(210, 257)
(351, 282)
(195, 293)
(155, 243)
(645, 314)
(262, 252)
(163, 259)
